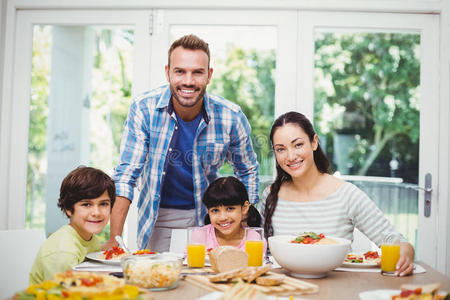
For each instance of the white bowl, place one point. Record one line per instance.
(308, 260)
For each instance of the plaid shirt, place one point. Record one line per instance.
(149, 130)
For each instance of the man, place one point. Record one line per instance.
(175, 139)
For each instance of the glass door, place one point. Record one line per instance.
(75, 74)
(374, 102)
(251, 55)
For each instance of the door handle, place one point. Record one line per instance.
(427, 196)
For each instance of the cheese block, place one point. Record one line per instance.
(226, 258)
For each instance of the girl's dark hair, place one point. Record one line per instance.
(320, 160)
(84, 183)
(226, 191)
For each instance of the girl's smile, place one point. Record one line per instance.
(227, 220)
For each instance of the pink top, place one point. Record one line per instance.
(211, 240)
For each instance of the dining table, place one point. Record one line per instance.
(336, 285)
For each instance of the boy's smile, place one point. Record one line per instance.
(90, 216)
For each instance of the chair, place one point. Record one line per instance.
(178, 241)
(361, 243)
(18, 249)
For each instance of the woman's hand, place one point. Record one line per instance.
(405, 264)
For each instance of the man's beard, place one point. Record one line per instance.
(181, 101)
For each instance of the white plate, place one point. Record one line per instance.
(98, 256)
(360, 265)
(217, 295)
(378, 294)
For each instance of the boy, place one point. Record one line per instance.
(86, 197)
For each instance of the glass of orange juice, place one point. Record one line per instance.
(254, 245)
(196, 240)
(390, 253)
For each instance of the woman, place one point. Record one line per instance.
(305, 197)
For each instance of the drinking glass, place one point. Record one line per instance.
(390, 253)
(196, 241)
(254, 245)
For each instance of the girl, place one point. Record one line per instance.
(229, 212)
(305, 197)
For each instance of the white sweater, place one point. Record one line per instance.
(335, 215)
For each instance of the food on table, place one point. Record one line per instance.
(83, 285)
(247, 274)
(369, 257)
(446, 297)
(226, 276)
(143, 252)
(115, 253)
(372, 257)
(226, 258)
(354, 258)
(418, 292)
(159, 271)
(270, 280)
(243, 291)
(327, 241)
(256, 272)
(313, 238)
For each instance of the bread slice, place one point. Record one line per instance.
(243, 291)
(226, 258)
(225, 276)
(270, 280)
(258, 271)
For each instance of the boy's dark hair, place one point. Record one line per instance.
(84, 183)
(191, 42)
(226, 191)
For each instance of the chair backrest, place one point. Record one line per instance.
(18, 249)
(178, 241)
(361, 243)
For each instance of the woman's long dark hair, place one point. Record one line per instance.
(230, 191)
(320, 159)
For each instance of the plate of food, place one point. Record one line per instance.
(365, 260)
(115, 255)
(407, 291)
(110, 257)
(83, 285)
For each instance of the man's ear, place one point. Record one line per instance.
(68, 212)
(166, 68)
(210, 72)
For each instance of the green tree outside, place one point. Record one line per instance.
(247, 77)
(367, 85)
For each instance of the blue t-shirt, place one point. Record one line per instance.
(178, 187)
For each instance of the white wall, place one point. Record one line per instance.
(2, 41)
(3, 211)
